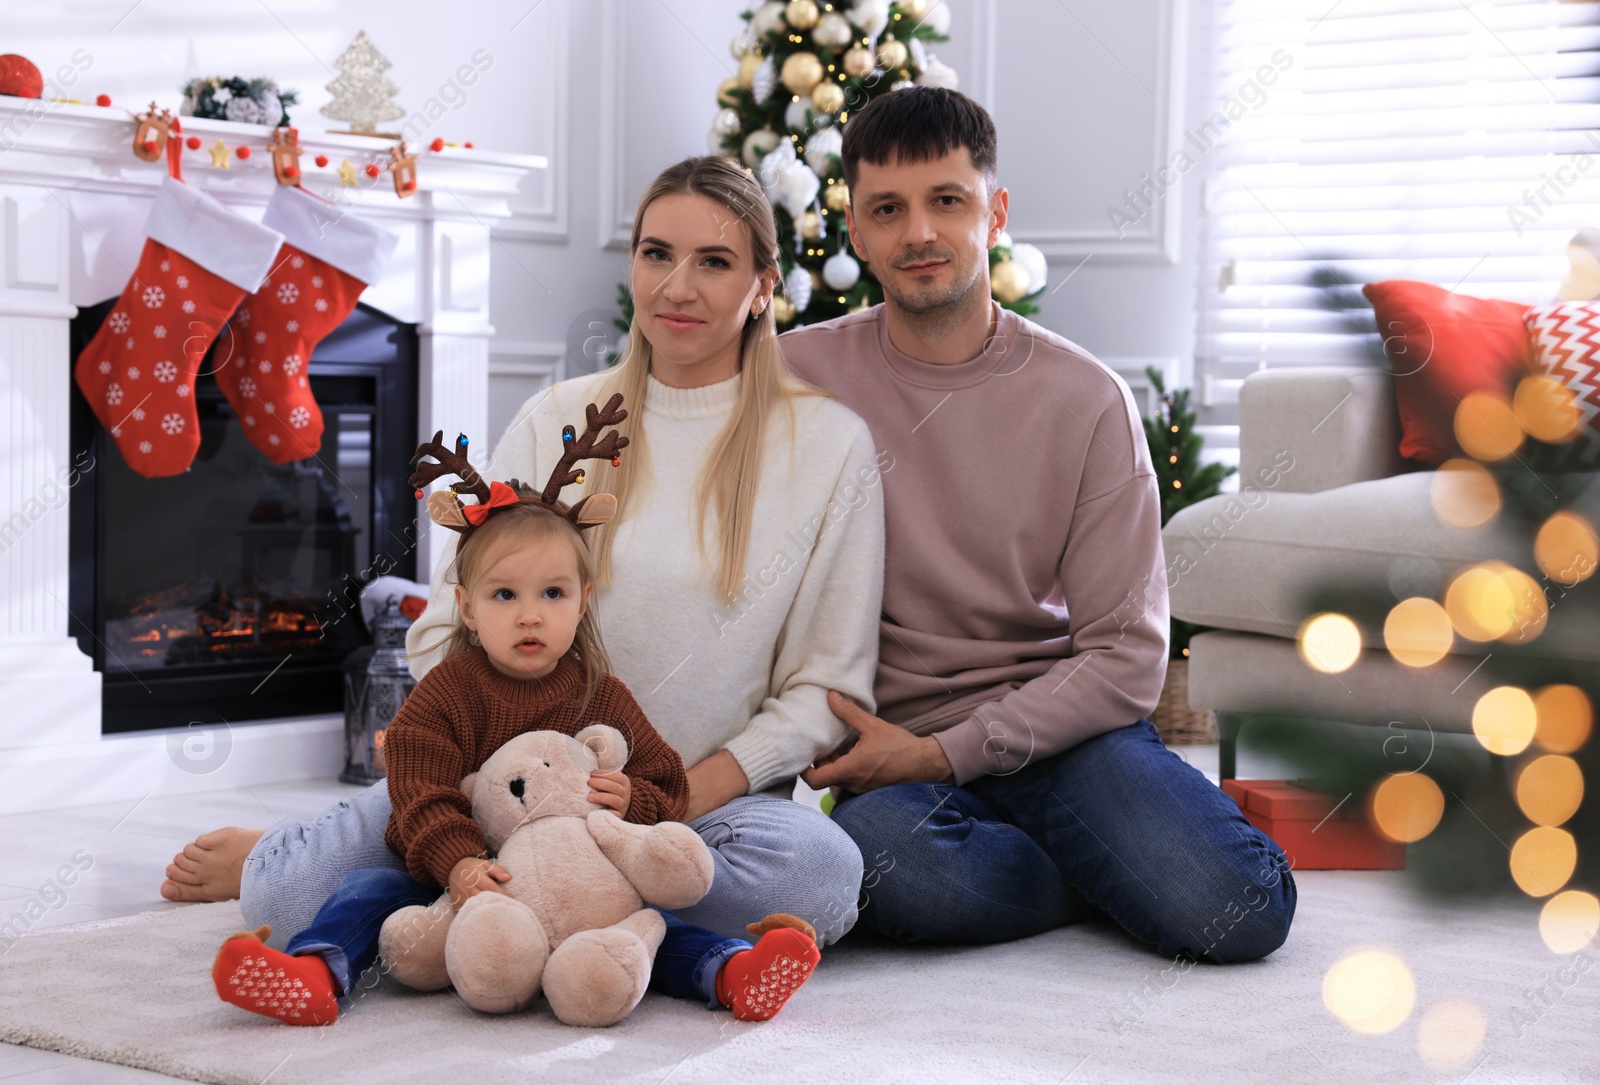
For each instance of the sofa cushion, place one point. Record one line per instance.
(1565, 338)
(1250, 561)
(1441, 347)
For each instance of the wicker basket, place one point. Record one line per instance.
(1179, 724)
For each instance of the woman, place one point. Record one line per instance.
(740, 581)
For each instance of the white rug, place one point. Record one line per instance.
(1084, 1004)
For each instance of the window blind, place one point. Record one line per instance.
(1349, 141)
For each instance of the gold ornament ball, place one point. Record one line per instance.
(811, 226)
(837, 197)
(817, 285)
(914, 9)
(1008, 281)
(801, 72)
(802, 14)
(782, 309)
(725, 93)
(858, 62)
(827, 98)
(892, 55)
(747, 69)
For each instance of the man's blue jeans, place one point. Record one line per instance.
(1118, 826)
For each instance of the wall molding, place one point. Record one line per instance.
(1154, 239)
(616, 220)
(540, 359)
(547, 221)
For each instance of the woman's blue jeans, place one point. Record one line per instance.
(1118, 826)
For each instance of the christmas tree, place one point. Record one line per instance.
(803, 68)
(362, 95)
(1182, 478)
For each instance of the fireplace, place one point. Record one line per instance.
(229, 593)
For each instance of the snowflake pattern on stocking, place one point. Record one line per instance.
(159, 331)
(166, 372)
(119, 322)
(172, 423)
(288, 293)
(299, 418)
(154, 296)
(291, 364)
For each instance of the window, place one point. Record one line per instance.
(1350, 141)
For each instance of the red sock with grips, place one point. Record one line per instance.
(258, 978)
(756, 983)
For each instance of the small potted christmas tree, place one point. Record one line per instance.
(1183, 480)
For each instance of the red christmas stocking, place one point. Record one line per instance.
(327, 260)
(138, 371)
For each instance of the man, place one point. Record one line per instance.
(1011, 784)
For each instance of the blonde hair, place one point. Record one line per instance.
(514, 527)
(728, 478)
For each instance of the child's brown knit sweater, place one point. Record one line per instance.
(464, 710)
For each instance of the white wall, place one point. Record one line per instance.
(1086, 99)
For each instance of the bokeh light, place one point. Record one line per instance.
(1464, 493)
(1569, 921)
(1370, 990)
(1565, 718)
(1546, 409)
(1504, 719)
(1450, 1033)
(1566, 548)
(1406, 807)
(1494, 601)
(1486, 427)
(1418, 632)
(1330, 643)
(1542, 860)
(1550, 789)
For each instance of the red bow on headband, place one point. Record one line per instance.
(500, 495)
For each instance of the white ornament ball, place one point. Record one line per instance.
(795, 117)
(743, 42)
(797, 285)
(768, 17)
(914, 9)
(936, 73)
(714, 142)
(757, 145)
(919, 54)
(797, 188)
(726, 122)
(1033, 262)
(764, 80)
(1004, 240)
(833, 32)
(937, 18)
(871, 16)
(841, 272)
(821, 146)
(902, 85)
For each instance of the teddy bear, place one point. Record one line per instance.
(573, 918)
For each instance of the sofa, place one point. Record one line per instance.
(1324, 497)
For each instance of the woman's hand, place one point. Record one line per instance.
(713, 782)
(472, 876)
(611, 791)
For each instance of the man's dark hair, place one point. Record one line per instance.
(919, 124)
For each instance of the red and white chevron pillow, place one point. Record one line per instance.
(1565, 337)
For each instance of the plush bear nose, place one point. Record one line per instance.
(516, 788)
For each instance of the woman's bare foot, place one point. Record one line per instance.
(210, 866)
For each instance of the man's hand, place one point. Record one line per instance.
(611, 791)
(472, 876)
(885, 754)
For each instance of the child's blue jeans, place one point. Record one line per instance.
(345, 933)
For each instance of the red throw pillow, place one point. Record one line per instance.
(1565, 338)
(1441, 346)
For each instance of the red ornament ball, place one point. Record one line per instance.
(437, 145)
(468, 145)
(372, 170)
(243, 152)
(321, 160)
(102, 100)
(193, 143)
(20, 77)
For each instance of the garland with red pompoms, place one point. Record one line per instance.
(281, 148)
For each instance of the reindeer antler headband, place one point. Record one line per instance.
(446, 509)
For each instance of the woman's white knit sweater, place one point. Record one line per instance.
(752, 676)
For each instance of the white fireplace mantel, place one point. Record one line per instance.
(73, 202)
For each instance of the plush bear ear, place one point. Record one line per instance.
(466, 783)
(607, 743)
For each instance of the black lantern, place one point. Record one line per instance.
(377, 681)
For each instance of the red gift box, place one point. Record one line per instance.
(1315, 830)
